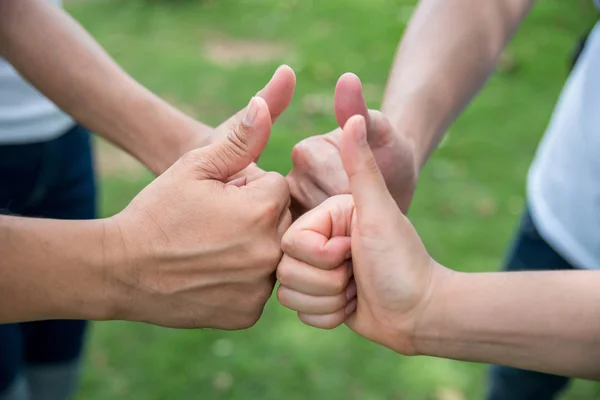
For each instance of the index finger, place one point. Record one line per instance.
(321, 237)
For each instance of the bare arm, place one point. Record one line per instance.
(65, 63)
(447, 53)
(395, 294)
(53, 269)
(543, 321)
(181, 266)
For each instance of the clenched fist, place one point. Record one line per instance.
(356, 258)
(318, 172)
(195, 251)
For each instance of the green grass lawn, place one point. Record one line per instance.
(467, 204)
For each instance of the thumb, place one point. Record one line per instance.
(240, 148)
(348, 99)
(278, 93)
(367, 185)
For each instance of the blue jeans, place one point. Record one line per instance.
(53, 179)
(529, 252)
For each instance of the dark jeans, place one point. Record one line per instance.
(529, 252)
(53, 179)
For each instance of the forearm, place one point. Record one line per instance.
(543, 321)
(52, 269)
(447, 53)
(65, 63)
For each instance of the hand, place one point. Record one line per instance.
(383, 295)
(196, 252)
(317, 171)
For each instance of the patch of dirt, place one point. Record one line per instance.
(228, 52)
(448, 393)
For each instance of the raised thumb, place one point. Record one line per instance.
(367, 185)
(349, 99)
(242, 145)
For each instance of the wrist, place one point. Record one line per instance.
(432, 326)
(155, 132)
(76, 281)
(411, 326)
(418, 122)
(417, 136)
(112, 258)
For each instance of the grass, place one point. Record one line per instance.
(466, 207)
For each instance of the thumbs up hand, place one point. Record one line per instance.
(317, 171)
(195, 251)
(356, 259)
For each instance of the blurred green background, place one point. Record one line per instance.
(209, 58)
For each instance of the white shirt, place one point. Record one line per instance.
(27, 116)
(564, 180)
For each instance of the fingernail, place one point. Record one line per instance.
(251, 112)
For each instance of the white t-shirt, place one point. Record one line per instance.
(27, 116)
(564, 180)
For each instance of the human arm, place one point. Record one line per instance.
(399, 297)
(447, 53)
(43, 275)
(65, 63)
(163, 259)
(544, 321)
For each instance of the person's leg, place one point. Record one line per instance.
(529, 252)
(12, 381)
(19, 178)
(53, 356)
(53, 349)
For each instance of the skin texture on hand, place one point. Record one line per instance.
(198, 252)
(317, 171)
(376, 297)
(189, 251)
(397, 296)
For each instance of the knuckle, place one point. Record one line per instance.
(269, 255)
(281, 296)
(246, 320)
(288, 242)
(277, 182)
(268, 210)
(251, 320)
(238, 140)
(284, 274)
(301, 153)
(257, 305)
(339, 281)
(328, 324)
(322, 322)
